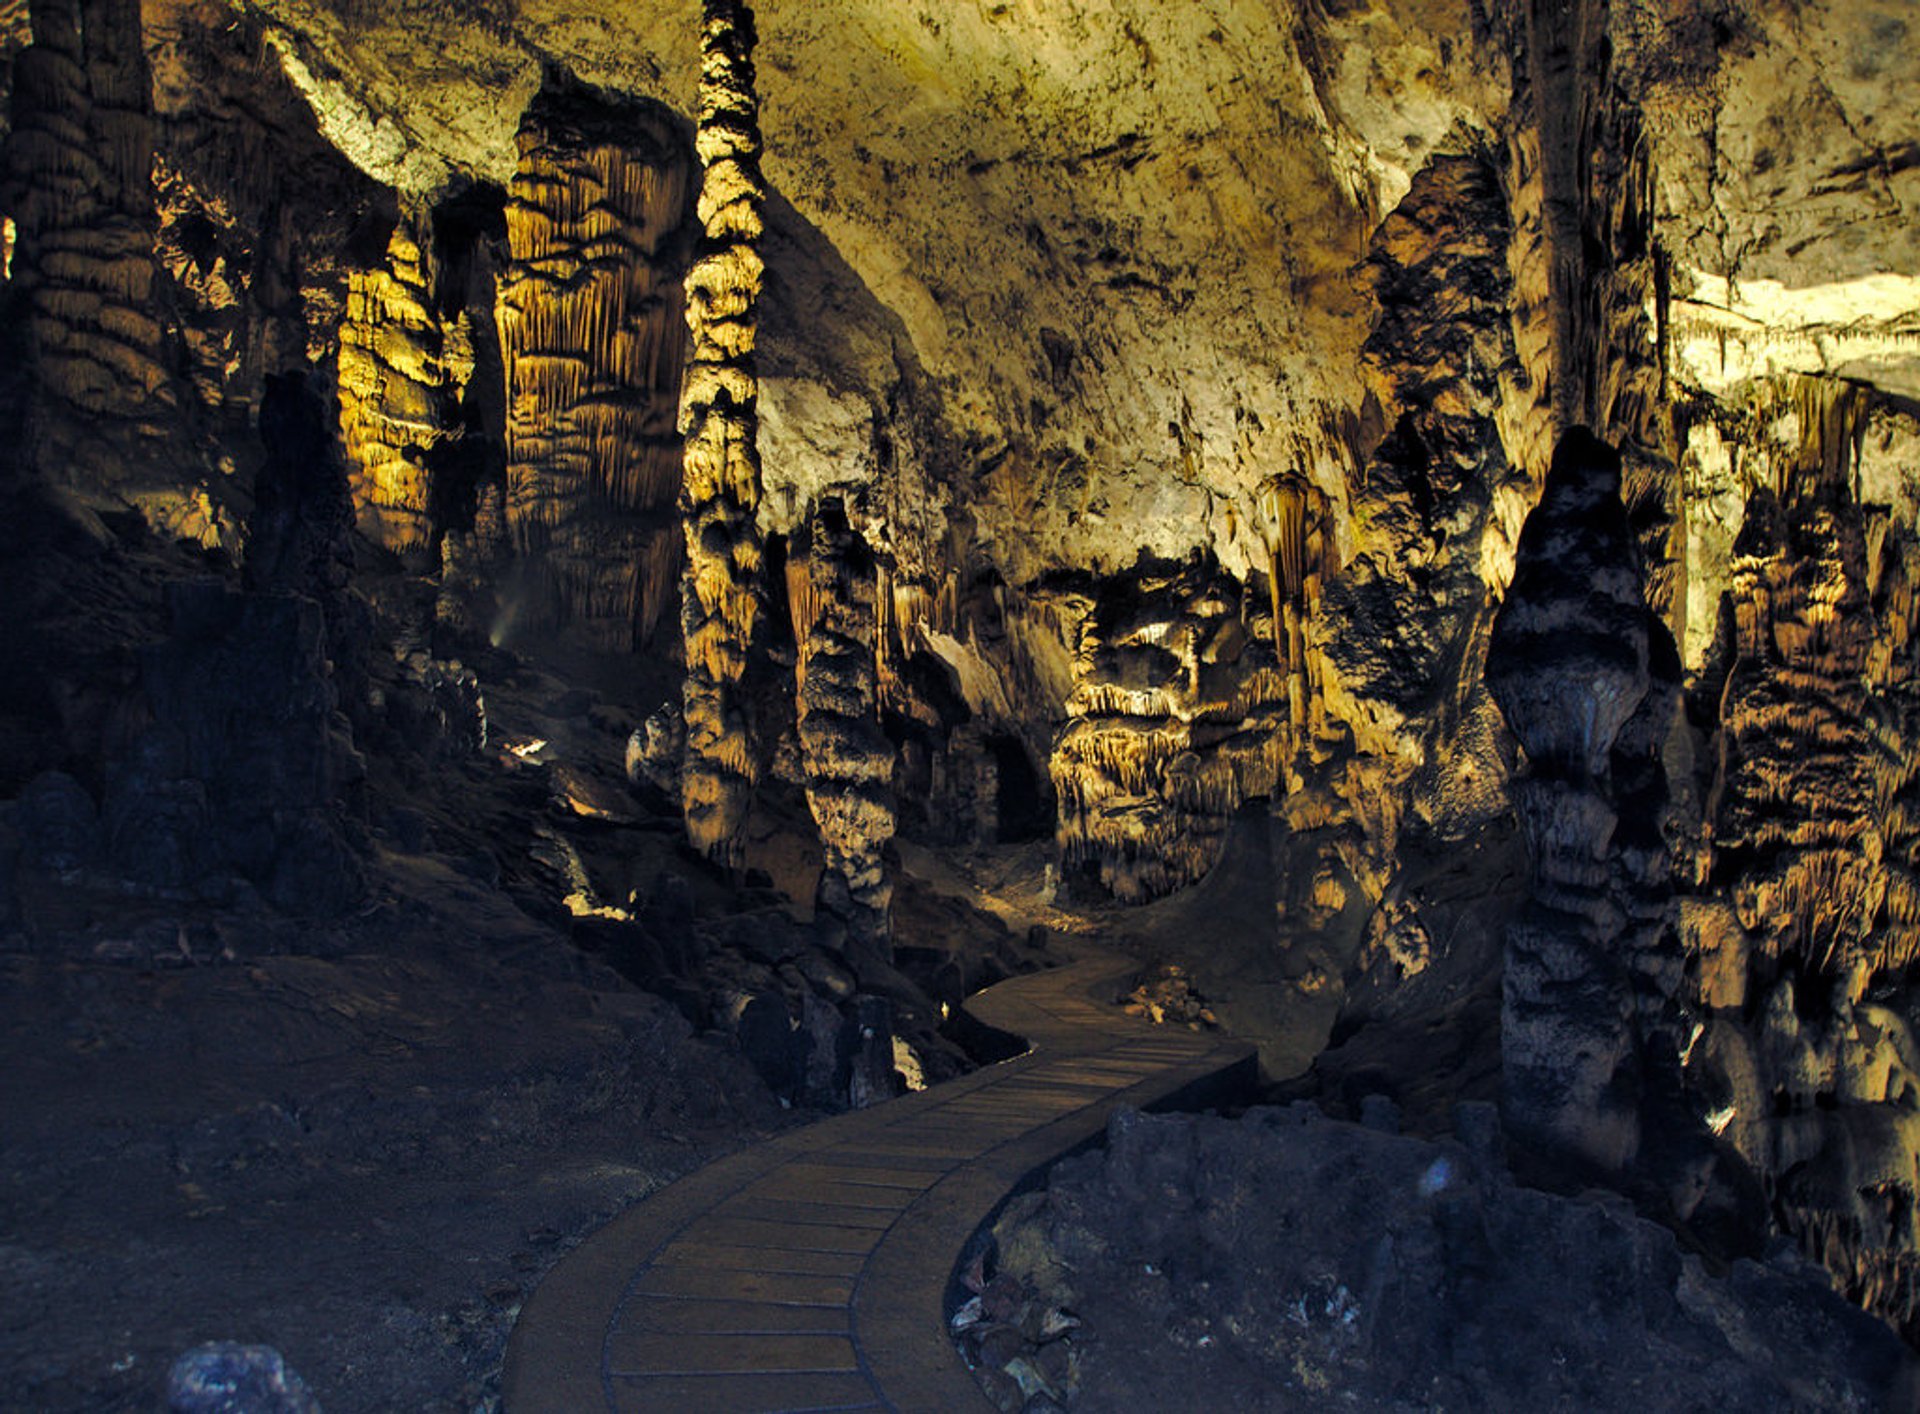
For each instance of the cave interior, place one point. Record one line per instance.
(576, 577)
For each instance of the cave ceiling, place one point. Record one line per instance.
(1118, 236)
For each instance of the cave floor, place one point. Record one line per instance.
(812, 1271)
(360, 1143)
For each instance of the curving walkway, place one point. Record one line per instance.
(811, 1272)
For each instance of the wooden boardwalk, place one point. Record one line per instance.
(811, 1272)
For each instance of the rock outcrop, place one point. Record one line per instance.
(1283, 1259)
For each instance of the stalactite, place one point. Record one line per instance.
(720, 487)
(589, 321)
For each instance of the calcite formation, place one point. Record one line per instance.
(1568, 667)
(1801, 912)
(590, 317)
(847, 761)
(1180, 712)
(720, 598)
(1116, 481)
(400, 375)
(79, 162)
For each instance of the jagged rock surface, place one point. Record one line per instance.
(1286, 1260)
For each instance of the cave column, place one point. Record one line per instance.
(397, 392)
(849, 761)
(720, 489)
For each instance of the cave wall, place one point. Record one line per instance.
(1148, 408)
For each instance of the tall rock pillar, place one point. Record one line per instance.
(589, 321)
(720, 486)
(849, 761)
(1568, 668)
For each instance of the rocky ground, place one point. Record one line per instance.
(343, 1071)
(361, 1143)
(1285, 1260)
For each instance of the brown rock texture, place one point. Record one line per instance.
(846, 759)
(79, 172)
(720, 491)
(400, 373)
(590, 333)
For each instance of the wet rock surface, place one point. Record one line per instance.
(1287, 1260)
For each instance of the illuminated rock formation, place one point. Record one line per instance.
(591, 338)
(79, 165)
(848, 763)
(720, 599)
(400, 373)
(1179, 713)
(1804, 924)
(1436, 509)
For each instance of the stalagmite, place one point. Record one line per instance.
(1568, 667)
(589, 320)
(849, 762)
(720, 489)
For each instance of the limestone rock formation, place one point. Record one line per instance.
(1172, 481)
(1802, 916)
(1181, 711)
(79, 192)
(846, 760)
(400, 374)
(720, 492)
(1568, 667)
(590, 333)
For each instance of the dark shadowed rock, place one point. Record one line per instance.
(1288, 1261)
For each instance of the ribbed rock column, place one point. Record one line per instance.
(848, 761)
(1568, 668)
(79, 168)
(589, 320)
(720, 487)
(397, 389)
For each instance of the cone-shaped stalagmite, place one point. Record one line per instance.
(720, 490)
